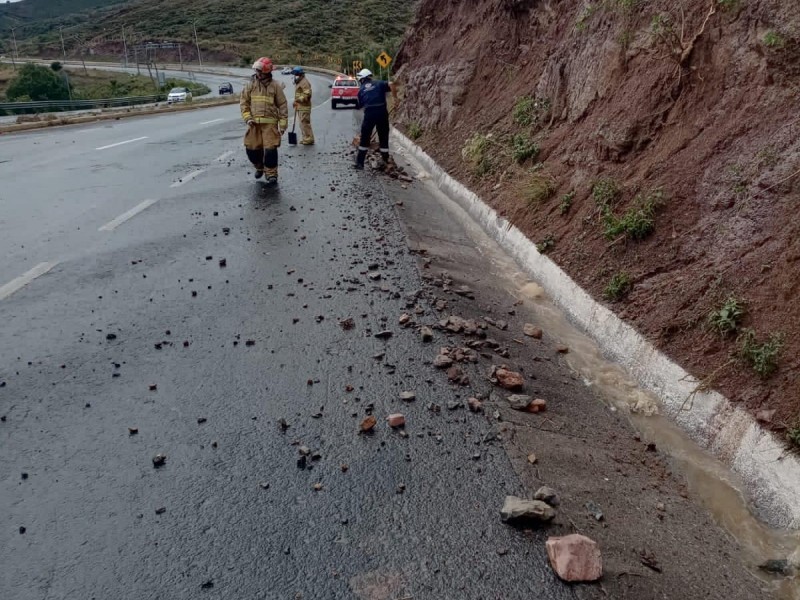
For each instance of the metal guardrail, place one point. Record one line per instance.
(62, 105)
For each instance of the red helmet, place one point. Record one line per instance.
(263, 64)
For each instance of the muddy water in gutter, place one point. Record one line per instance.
(717, 487)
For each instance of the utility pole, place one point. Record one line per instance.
(180, 56)
(134, 37)
(125, 46)
(69, 87)
(63, 48)
(15, 54)
(199, 57)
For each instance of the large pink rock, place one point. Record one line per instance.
(575, 558)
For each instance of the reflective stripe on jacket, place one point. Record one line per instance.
(264, 103)
(302, 95)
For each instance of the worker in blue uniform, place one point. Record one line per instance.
(372, 98)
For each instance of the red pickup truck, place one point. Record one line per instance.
(344, 91)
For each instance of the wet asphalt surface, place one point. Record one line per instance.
(144, 327)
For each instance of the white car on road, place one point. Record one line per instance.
(179, 94)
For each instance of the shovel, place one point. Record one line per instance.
(292, 134)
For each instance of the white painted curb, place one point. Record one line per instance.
(770, 474)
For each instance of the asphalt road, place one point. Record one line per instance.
(116, 312)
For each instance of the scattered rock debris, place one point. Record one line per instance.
(575, 558)
(507, 379)
(475, 405)
(368, 424)
(520, 509)
(532, 331)
(396, 420)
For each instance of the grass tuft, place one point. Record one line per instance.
(547, 244)
(536, 188)
(619, 287)
(761, 356)
(523, 148)
(476, 153)
(774, 40)
(606, 192)
(566, 202)
(727, 318)
(637, 222)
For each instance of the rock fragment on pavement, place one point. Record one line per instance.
(520, 509)
(548, 495)
(532, 331)
(508, 379)
(519, 401)
(396, 420)
(575, 558)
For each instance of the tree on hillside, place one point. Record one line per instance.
(37, 83)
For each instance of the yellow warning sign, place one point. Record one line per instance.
(384, 59)
(357, 66)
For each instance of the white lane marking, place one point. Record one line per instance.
(187, 178)
(23, 280)
(212, 121)
(223, 157)
(112, 225)
(139, 139)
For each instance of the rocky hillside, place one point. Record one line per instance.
(308, 31)
(652, 151)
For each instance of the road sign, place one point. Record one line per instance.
(357, 66)
(384, 59)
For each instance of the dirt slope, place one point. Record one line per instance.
(690, 115)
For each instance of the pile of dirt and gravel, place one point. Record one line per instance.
(652, 150)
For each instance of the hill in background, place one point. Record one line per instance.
(32, 12)
(308, 31)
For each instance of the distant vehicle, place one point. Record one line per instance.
(286, 71)
(344, 91)
(179, 94)
(226, 88)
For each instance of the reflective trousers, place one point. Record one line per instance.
(261, 143)
(374, 119)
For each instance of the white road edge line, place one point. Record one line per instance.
(23, 280)
(112, 225)
(212, 121)
(225, 155)
(187, 178)
(139, 139)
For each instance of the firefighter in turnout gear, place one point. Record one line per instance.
(372, 98)
(266, 112)
(302, 104)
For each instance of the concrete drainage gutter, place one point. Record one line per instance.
(771, 474)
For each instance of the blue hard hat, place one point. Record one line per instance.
(298, 71)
